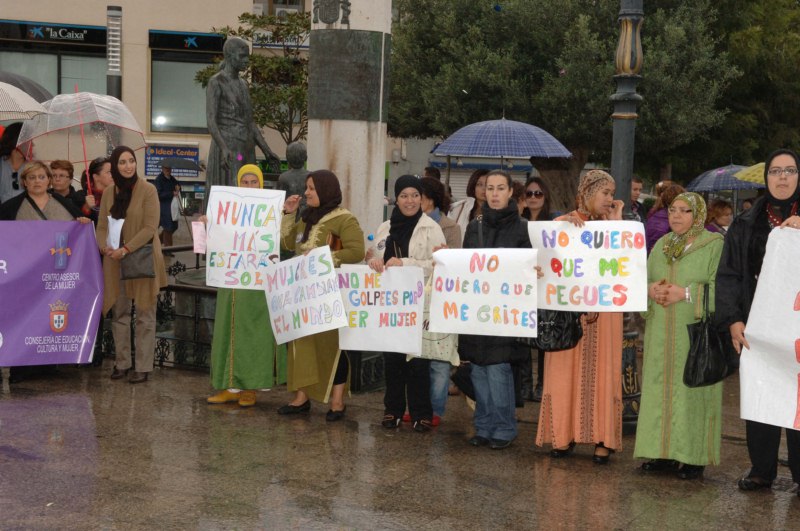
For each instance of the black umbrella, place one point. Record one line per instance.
(177, 163)
(26, 85)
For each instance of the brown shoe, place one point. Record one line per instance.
(116, 374)
(223, 397)
(138, 377)
(247, 398)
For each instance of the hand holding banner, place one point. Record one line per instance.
(600, 267)
(303, 296)
(243, 236)
(490, 292)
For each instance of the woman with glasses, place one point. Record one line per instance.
(679, 427)
(35, 203)
(737, 277)
(11, 163)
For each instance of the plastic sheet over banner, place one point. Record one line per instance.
(51, 288)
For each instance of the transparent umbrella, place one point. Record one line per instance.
(80, 127)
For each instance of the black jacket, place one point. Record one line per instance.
(495, 229)
(8, 210)
(740, 265)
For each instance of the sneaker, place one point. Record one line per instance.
(406, 417)
(422, 426)
(436, 420)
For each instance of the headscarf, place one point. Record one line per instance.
(675, 244)
(330, 197)
(589, 184)
(781, 208)
(401, 227)
(124, 186)
(250, 169)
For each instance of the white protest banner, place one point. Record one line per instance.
(303, 296)
(383, 310)
(769, 371)
(244, 236)
(600, 267)
(485, 292)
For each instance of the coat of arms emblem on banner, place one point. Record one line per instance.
(58, 316)
(327, 11)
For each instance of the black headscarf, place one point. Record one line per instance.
(401, 227)
(329, 193)
(781, 206)
(124, 186)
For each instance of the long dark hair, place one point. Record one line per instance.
(8, 142)
(471, 184)
(124, 186)
(544, 213)
(329, 192)
(94, 168)
(433, 189)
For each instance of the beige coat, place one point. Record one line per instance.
(140, 227)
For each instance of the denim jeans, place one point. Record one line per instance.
(440, 383)
(494, 401)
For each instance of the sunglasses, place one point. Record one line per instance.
(534, 193)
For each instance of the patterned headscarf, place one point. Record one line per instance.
(590, 183)
(675, 244)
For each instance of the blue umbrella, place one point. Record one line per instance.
(721, 179)
(501, 138)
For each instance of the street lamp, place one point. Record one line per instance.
(114, 51)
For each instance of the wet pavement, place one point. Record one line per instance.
(80, 451)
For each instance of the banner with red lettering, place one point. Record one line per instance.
(383, 310)
(485, 292)
(51, 292)
(244, 236)
(770, 368)
(600, 267)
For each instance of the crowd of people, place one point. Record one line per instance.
(695, 252)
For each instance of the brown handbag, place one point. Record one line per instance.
(138, 264)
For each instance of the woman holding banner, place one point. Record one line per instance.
(737, 275)
(35, 203)
(582, 395)
(316, 367)
(678, 425)
(135, 201)
(244, 356)
(500, 225)
(407, 239)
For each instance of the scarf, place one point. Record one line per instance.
(401, 228)
(675, 244)
(330, 197)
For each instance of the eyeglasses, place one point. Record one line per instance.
(534, 193)
(15, 181)
(776, 172)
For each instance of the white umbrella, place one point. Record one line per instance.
(16, 105)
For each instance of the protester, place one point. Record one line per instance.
(11, 163)
(135, 201)
(537, 208)
(97, 178)
(432, 172)
(636, 207)
(683, 263)
(518, 196)
(63, 172)
(720, 216)
(168, 189)
(407, 239)
(476, 189)
(747, 204)
(737, 276)
(658, 218)
(582, 398)
(35, 203)
(244, 355)
(500, 226)
(316, 368)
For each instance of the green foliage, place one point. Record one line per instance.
(278, 82)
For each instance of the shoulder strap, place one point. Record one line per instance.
(480, 233)
(36, 207)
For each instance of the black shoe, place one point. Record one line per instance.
(601, 459)
(333, 416)
(537, 393)
(753, 484)
(660, 465)
(138, 377)
(390, 421)
(566, 452)
(499, 444)
(116, 374)
(479, 441)
(422, 426)
(289, 409)
(690, 471)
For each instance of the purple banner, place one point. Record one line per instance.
(51, 292)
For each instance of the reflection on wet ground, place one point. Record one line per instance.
(80, 451)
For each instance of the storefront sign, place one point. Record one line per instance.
(155, 153)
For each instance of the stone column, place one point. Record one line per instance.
(348, 84)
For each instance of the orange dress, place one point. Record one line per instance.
(582, 394)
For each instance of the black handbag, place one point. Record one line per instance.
(557, 330)
(138, 264)
(711, 354)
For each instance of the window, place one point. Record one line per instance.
(178, 102)
(58, 73)
(89, 73)
(40, 67)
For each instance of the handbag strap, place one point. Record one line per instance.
(35, 207)
(705, 301)
(480, 232)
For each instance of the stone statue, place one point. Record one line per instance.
(293, 180)
(229, 114)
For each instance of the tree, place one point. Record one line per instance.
(278, 82)
(550, 63)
